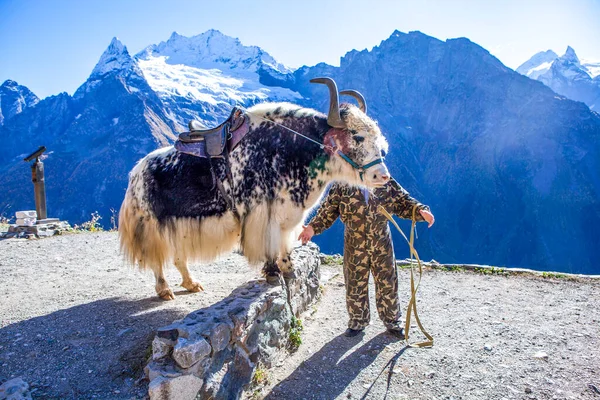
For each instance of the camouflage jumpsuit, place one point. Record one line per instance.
(368, 246)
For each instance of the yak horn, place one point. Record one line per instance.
(362, 104)
(333, 118)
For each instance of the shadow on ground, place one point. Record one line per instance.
(96, 349)
(327, 373)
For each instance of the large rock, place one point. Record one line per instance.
(183, 387)
(187, 353)
(15, 389)
(221, 345)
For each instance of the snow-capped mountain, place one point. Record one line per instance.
(537, 65)
(14, 98)
(203, 76)
(566, 75)
(116, 62)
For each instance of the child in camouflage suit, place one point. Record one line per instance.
(368, 247)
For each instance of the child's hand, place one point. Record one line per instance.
(306, 234)
(428, 217)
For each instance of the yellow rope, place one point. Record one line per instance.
(412, 304)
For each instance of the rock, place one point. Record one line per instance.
(15, 389)
(540, 355)
(155, 369)
(219, 337)
(168, 333)
(26, 214)
(187, 353)
(528, 390)
(184, 387)
(161, 348)
(487, 347)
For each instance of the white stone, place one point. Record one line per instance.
(540, 355)
(25, 221)
(185, 387)
(26, 214)
(187, 353)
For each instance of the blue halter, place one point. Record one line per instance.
(361, 169)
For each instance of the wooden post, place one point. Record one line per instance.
(39, 187)
(39, 184)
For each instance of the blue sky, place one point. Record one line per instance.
(52, 45)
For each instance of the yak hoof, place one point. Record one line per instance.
(193, 286)
(273, 279)
(290, 274)
(166, 294)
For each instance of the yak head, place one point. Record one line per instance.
(355, 143)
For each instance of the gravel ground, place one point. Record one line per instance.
(487, 331)
(76, 322)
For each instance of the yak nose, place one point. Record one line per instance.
(382, 178)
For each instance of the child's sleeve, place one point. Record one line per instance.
(402, 203)
(329, 210)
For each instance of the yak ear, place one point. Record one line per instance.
(341, 138)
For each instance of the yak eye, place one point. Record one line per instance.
(359, 139)
(383, 153)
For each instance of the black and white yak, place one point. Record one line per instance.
(172, 211)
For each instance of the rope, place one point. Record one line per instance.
(321, 145)
(412, 304)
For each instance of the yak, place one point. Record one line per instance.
(173, 211)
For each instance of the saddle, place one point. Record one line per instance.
(214, 142)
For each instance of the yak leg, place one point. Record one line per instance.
(162, 287)
(289, 218)
(271, 272)
(188, 282)
(284, 262)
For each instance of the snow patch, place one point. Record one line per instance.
(212, 50)
(207, 85)
(592, 67)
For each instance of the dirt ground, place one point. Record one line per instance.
(495, 337)
(75, 322)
